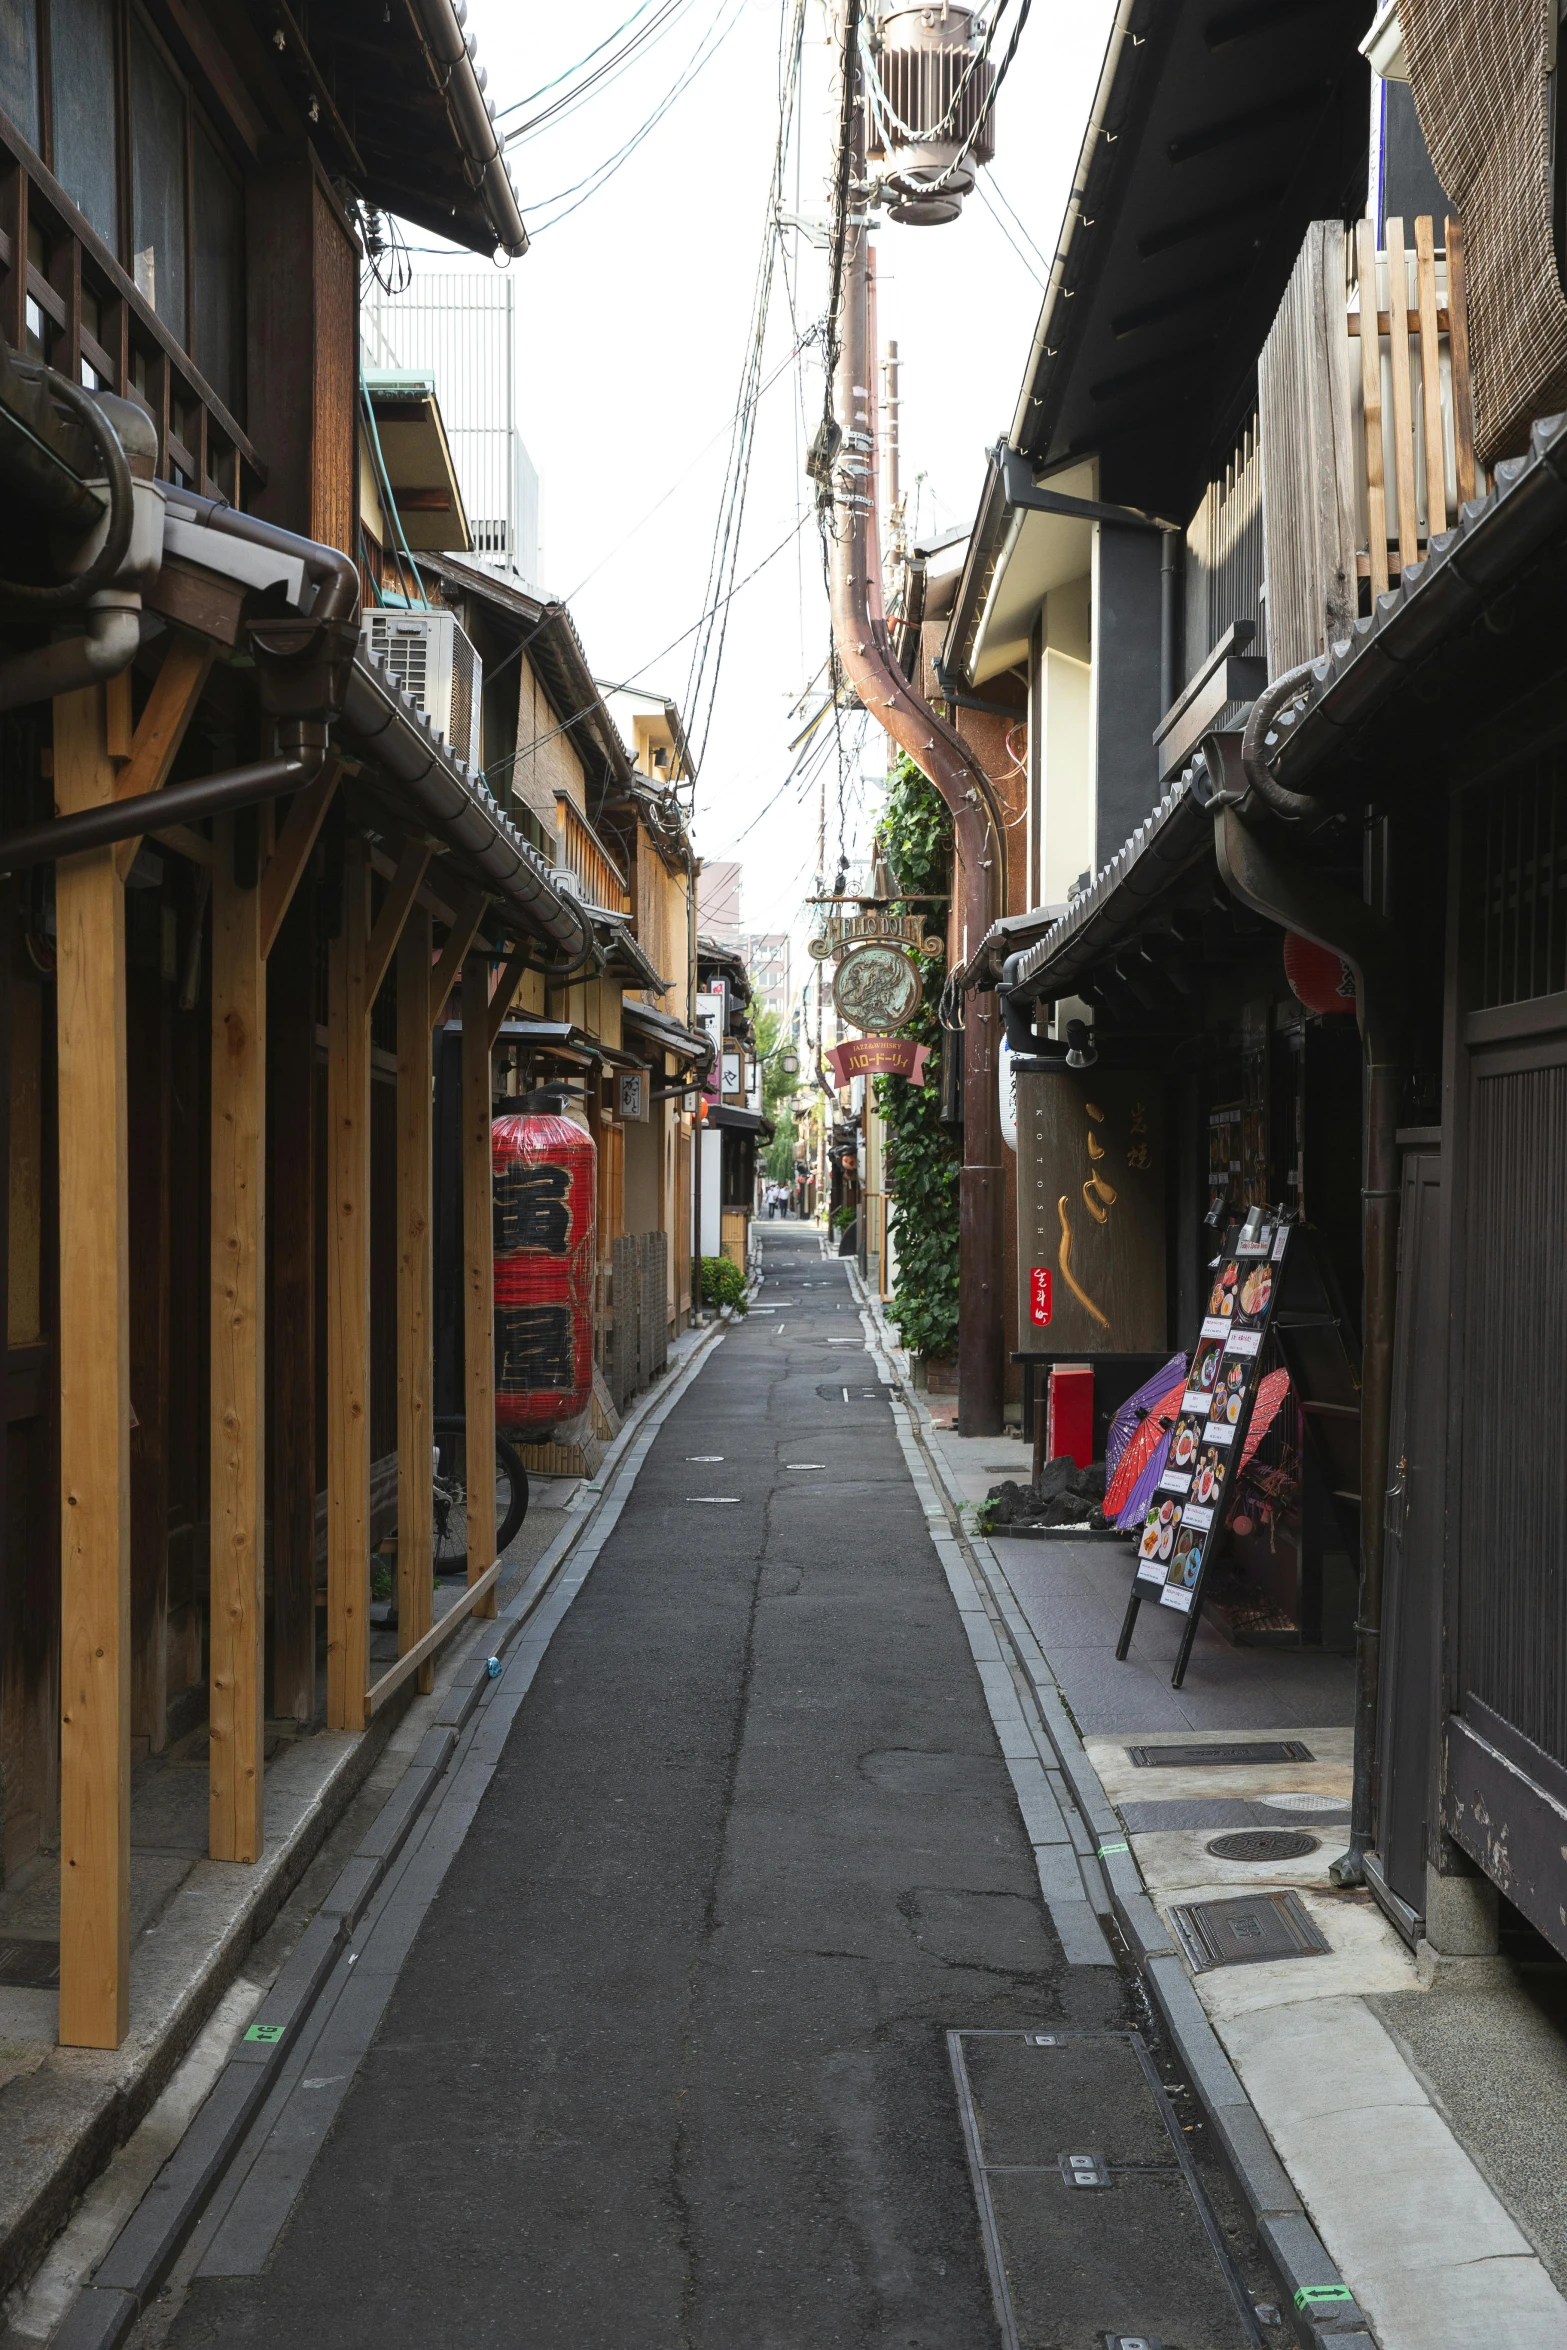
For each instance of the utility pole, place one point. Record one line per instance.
(865, 654)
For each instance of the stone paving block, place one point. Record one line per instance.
(298, 1986)
(1082, 1937)
(1041, 1815)
(149, 2243)
(352, 1887)
(96, 2320)
(1210, 2071)
(1259, 2174)
(388, 1831)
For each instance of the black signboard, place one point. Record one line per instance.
(1192, 1500)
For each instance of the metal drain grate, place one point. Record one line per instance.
(1264, 1844)
(1141, 2257)
(29, 1966)
(1258, 1926)
(1207, 1758)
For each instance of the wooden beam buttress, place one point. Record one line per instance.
(464, 930)
(237, 1716)
(291, 854)
(153, 748)
(415, 1300)
(348, 1303)
(506, 987)
(478, 1274)
(95, 1511)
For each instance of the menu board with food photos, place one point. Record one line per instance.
(1191, 1501)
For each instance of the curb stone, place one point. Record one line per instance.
(1319, 2301)
(138, 2261)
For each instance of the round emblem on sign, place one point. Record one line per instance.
(877, 987)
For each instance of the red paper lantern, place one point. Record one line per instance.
(1319, 978)
(544, 1193)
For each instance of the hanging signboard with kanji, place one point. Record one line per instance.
(1193, 1497)
(1091, 1212)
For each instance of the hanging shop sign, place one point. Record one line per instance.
(879, 1056)
(1193, 1497)
(633, 1092)
(878, 987)
(841, 931)
(1091, 1211)
(1319, 977)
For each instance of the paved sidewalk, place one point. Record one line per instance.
(1425, 2131)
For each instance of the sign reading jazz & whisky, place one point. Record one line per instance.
(1090, 1199)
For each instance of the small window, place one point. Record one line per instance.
(157, 183)
(82, 81)
(220, 237)
(19, 65)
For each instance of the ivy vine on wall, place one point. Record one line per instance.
(923, 1155)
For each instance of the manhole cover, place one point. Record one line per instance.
(1243, 1933)
(1207, 1758)
(1263, 1844)
(836, 1392)
(29, 1966)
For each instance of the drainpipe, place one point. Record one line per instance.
(106, 532)
(864, 650)
(1258, 869)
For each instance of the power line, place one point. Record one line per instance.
(525, 750)
(706, 50)
(708, 651)
(522, 129)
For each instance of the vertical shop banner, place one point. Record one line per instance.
(1194, 1495)
(1091, 1211)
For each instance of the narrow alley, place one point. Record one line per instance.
(664, 2059)
(783, 1115)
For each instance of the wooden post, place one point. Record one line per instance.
(95, 1502)
(348, 1305)
(292, 1145)
(237, 1709)
(478, 1254)
(415, 1300)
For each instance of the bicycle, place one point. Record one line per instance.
(451, 1496)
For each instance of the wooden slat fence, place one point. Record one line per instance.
(1367, 441)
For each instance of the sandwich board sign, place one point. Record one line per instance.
(1187, 1512)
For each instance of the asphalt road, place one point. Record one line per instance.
(665, 2067)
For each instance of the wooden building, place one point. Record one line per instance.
(247, 877)
(1273, 461)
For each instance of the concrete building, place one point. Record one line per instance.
(718, 902)
(767, 960)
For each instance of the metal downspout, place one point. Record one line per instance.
(1259, 870)
(864, 650)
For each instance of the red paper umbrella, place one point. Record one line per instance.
(1270, 1395)
(1140, 1446)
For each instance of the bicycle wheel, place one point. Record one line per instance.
(451, 1496)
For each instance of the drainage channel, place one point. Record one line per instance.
(1098, 2230)
(1109, 2222)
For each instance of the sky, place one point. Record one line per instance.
(635, 308)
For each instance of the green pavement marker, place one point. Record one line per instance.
(268, 2033)
(1321, 2296)
(1105, 1850)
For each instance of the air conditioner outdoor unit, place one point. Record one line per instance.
(427, 654)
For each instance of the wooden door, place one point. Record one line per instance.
(1504, 1765)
